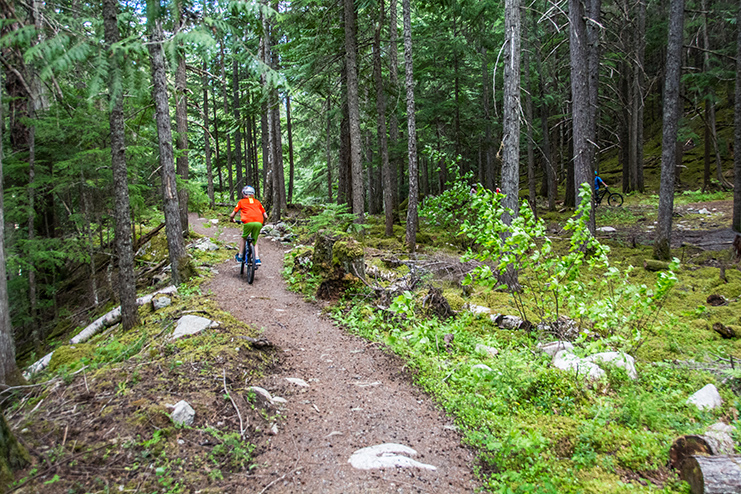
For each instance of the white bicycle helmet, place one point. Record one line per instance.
(248, 191)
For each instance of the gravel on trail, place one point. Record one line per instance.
(357, 396)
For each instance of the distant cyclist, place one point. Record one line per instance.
(598, 182)
(252, 216)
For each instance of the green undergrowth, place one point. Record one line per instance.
(536, 428)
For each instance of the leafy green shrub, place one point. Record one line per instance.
(336, 218)
(579, 283)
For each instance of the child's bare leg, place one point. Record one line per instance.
(241, 246)
(257, 256)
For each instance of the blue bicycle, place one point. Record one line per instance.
(248, 260)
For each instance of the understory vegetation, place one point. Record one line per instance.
(536, 428)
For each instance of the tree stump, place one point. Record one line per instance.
(339, 261)
(712, 474)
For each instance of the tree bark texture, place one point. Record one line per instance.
(124, 248)
(329, 149)
(511, 109)
(637, 98)
(582, 96)
(736, 221)
(672, 111)
(13, 456)
(207, 140)
(388, 205)
(181, 121)
(242, 180)
(353, 107)
(395, 161)
(412, 217)
(9, 372)
(173, 226)
(289, 130)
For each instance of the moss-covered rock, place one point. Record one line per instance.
(339, 261)
(70, 356)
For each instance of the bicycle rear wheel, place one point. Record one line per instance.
(250, 264)
(615, 199)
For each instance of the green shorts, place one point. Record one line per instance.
(251, 230)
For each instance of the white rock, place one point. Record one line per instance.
(617, 359)
(262, 394)
(280, 400)
(554, 347)
(565, 360)
(189, 325)
(297, 381)
(606, 229)
(489, 350)
(482, 366)
(274, 429)
(707, 398)
(704, 211)
(477, 309)
(386, 456)
(214, 222)
(183, 413)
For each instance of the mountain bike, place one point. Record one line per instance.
(613, 198)
(248, 261)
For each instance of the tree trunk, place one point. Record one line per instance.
(388, 204)
(395, 161)
(280, 179)
(511, 108)
(329, 150)
(672, 111)
(636, 131)
(181, 120)
(230, 177)
(207, 140)
(353, 107)
(236, 104)
(289, 129)
(13, 456)
(126, 277)
(486, 171)
(736, 221)
(9, 373)
(412, 219)
(216, 142)
(583, 95)
(549, 168)
(173, 226)
(531, 186)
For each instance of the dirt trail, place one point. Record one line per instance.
(357, 396)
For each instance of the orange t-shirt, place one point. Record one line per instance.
(250, 210)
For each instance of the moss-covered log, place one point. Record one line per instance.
(654, 265)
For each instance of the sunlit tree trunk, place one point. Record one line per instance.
(173, 226)
(672, 111)
(511, 109)
(412, 218)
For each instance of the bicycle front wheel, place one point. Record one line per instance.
(615, 199)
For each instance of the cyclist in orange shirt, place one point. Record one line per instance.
(252, 217)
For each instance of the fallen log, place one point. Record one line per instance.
(712, 474)
(726, 332)
(104, 321)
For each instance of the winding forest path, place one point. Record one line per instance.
(358, 396)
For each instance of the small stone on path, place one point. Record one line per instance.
(297, 381)
(386, 455)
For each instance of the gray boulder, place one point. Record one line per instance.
(190, 325)
(565, 360)
(617, 359)
(183, 413)
(554, 347)
(707, 398)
